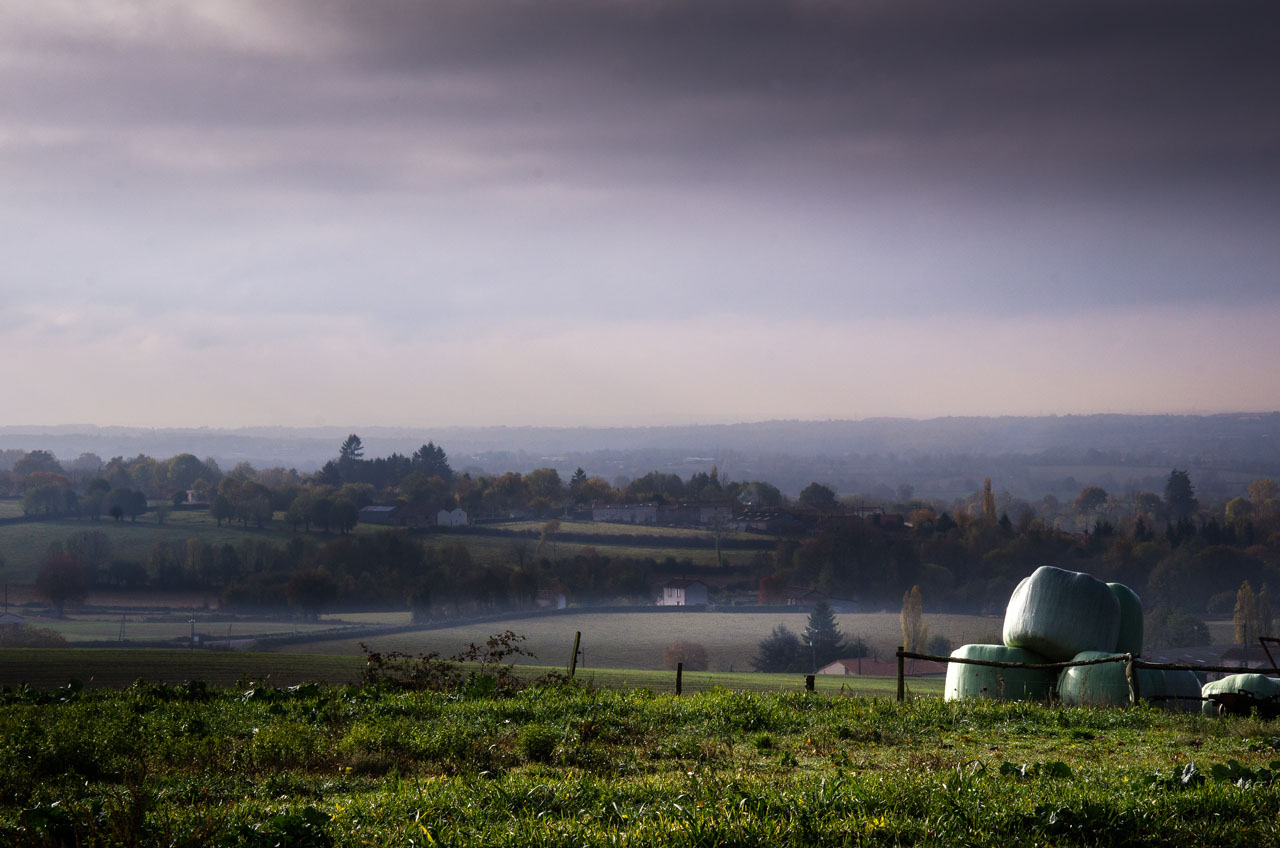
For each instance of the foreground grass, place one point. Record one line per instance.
(574, 766)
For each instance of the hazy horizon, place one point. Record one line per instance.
(638, 212)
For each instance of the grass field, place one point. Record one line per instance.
(23, 544)
(637, 639)
(159, 629)
(497, 550)
(115, 669)
(560, 766)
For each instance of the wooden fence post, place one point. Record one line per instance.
(902, 675)
(573, 658)
(679, 678)
(1131, 674)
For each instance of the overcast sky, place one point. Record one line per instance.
(635, 211)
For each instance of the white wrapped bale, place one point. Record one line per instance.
(1004, 684)
(1105, 684)
(1258, 685)
(1058, 614)
(1130, 639)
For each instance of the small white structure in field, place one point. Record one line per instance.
(456, 517)
(683, 592)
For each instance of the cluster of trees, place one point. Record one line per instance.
(820, 643)
(1178, 553)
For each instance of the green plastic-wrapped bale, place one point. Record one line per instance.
(1183, 685)
(1105, 684)
(1130, 639)
(1258, 685)
(1058, 614)
(1004, 684)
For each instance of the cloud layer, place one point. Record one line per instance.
(578, 210)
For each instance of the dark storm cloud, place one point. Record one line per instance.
(1056, 86)
(890, 157)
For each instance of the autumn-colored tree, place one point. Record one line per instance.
(988, 502)
(915, 633)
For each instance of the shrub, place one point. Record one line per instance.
(692, 654)
(26, 636)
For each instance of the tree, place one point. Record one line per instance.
(352, 449)
(1090, 500)
(1245, 620)
(1168, 627)
(344, 515)
(819, 497)
(780, 652)
(430, 459)
(915, 633)
(692, 654)
(1261, 491)
(1179, 496)
(311, 592)
(36, 461)
(822, 635)
(988, 505)
(61, 580)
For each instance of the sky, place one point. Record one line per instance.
(614, 212)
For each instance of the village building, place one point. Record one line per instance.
(683, 592)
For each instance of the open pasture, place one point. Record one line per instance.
(98, 628)
(593, 767)
(636, 639)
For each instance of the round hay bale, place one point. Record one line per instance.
(1003, 684)
(1105, 685)
(1184, 684)
(1058, 614)
(1130, 639)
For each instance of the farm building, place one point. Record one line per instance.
(646, 513)
(683, 592)
(880, 668)
(456, 517)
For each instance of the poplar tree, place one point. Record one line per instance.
(915, 633)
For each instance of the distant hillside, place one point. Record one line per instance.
(938, 457)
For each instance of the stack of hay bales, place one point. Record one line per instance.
(1055, 616)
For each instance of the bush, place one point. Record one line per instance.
(26, 636)
(692, 654)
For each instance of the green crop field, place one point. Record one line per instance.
(637, 639)
(559, 765)
(605, 528)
